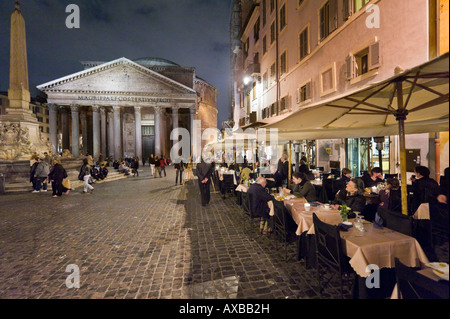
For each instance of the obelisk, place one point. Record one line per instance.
(19, 128)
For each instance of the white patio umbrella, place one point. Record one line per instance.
(415, 101)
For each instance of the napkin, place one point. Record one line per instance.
(378, 222)
(344, 227)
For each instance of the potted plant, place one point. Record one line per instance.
(344, 210)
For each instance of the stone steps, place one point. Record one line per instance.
(25, 187)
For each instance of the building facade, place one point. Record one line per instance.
(298, 53)
(127, 108)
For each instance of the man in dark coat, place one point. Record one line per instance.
(259, 202)
(33, 168)
(424, 189)
(179, 167)
(204, 173)
(57, 174)
(283, 168)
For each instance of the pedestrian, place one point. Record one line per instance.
(41, 175)
(162, 166)
(90, 159)
(143, 161)
(179, 167)
(135, 167)
(33, 173)
(56, 176)
(204, 172)
(157, 167)
(151, 161)
(85, 173)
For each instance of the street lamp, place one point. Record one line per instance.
(247, 80)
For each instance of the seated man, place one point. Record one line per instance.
(103, 172)
(123, 168)
(95, 173)
(259, 203)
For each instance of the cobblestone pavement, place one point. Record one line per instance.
(142, 238)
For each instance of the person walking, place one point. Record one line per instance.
(56, 176)
(204, 172)
(162, 166)
(33, 174)
(135, 167)
(85, 171)
(151, 161)
(157, 167)
(179, 167)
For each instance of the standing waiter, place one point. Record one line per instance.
(204, 172)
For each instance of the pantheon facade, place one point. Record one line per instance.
(126, 108)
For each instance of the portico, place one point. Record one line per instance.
(125, 102)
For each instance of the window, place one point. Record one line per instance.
(246, 47)
(264, 13)
(324, 18)
(283, 63)
(272, 32)
(256, 31)
(272, 5)
(254, 91)
(304, 93)
(273, 72)
(265, 81)
(273, 109)
(264, 48)
(363, 61)
(303, 43)
(283, 20)
(283, 104)
(358, 4)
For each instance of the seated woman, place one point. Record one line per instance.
(302, 187)
(390, 197)
(352, 196)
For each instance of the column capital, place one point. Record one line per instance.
(63, 109)
(95, 108)
(52, 107)
(176, 108)
(193, 110)
(116, 108)
(157, 109)
(102, 110)
(137, 109)
(74, 108)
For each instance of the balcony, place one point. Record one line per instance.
(254, 69)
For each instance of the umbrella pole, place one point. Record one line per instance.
(401, 117)
(290, 164)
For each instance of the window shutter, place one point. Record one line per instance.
(299, 92)
(308, 91)
(374, 56)
(347, 9)
(350, 67)
(333, 15)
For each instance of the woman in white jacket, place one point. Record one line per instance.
(86, 169)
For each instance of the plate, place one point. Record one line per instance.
(442, 267)
(441, 274)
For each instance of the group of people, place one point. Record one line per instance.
(46, 170)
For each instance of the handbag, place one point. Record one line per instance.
(66, 183)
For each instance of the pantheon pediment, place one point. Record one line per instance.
(117, 77)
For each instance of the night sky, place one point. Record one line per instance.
(191, 33)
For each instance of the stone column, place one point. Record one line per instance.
(53, 126)
(117, 140)
(84, 130)
(158, 112)
(191, 121)
(95, 131)
(65, 128)
(175, 116)
(103, 125)
(138, 133)
(75, 130)
(111, 134)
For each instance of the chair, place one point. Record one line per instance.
(253, 176)
(330, 256)
(227, 184)
(412, 285)
(397, 221)
(248, 210)
(327, 185)
(280, 227)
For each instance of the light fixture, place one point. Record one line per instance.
(247, 80)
